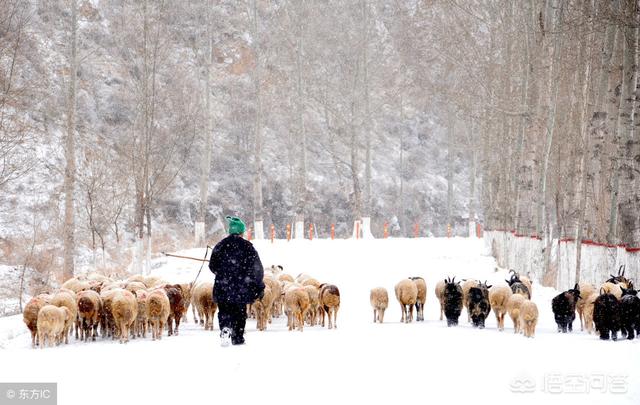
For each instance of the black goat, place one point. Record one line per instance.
(620, 278)
(630, 313)
(479, 306)
(517, 286)
(606, 315)
(452, 301)
(564, 308)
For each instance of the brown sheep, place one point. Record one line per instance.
(527, 282)
(30, 316)
(142, 320)
(379, 299)
(67, 299)
(514, 304)
(528, 317)
(587, 312)
(158, 308)
(203, 300)
(136, 277)
(133, 286)
(440, 295)
(498, 297)
(407, 295)
(154, 281)
(421, 298)
(263, 308)
(51, 324)
(107, 325)
(311, 281)
(586, 289)
(330, 303)
(124, 308)
(611, 288)
(285, 277)
(89, 309)
(76, 285)
(178, 307)
(187, 292)
(466, 286)
(276, 293)
(314, 304)
(296, 302)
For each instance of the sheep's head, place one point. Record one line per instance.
(452, 285)
(575, 292)
(620, 277)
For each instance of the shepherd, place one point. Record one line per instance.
(239, 273)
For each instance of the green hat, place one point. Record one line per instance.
(236, 226)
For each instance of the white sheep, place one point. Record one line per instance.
(407, 295)
(379, 299)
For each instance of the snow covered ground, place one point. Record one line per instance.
(361, 362)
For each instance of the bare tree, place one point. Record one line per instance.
(70, 149)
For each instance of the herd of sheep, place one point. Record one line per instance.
(614, 308)
(477, 297)
(98, 306)
(95, 306)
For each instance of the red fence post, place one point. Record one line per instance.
(357, 229)
(416, 230)
(448, 230)
(288, 232)
(273, 232)
(249, 234)
(310, 231)
(386, 230)
(333, 231)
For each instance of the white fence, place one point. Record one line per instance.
(525, 255)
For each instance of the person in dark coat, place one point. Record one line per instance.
(239, 281)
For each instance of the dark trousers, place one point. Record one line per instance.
(234, 317)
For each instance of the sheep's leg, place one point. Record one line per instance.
(381, 315)
(630, 332)
(177, 324)
(335, 317)
(375, 316)
(403, 315)
(441, 310)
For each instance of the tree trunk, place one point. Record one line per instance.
(629, 196)
(70, 154)
(258, 211)
(367, 200)
(450, 152)
(555, 21)
(200, 224)
(473, 150)
(302, 175)
(581, 195)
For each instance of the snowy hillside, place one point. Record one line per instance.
(363, 362)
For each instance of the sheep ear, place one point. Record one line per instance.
(576, 287)
(489, 286)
